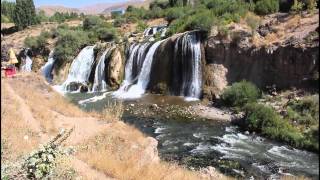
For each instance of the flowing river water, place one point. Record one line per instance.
(202, 143)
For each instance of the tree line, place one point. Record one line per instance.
(23, 14)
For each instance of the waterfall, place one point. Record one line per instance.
(47, 68)
(187, 76)
(28, 62)
(128, 89)
(80, 68)
(100, 83)
(151, 31)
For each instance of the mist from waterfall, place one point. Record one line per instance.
(187, 75)
(135, 86)
(48, 67)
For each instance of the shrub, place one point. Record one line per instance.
(141, 26)
(201, 21)
(265, 120)
(119, 21)
(174, 13)
(264, 7)
(253, 22)
(4, 19)
(311, 5)
(240, 94)
(106, 34)
(91, 22)
(304, 111)
(297, 6)
(37, 43)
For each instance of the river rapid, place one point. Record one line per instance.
(201, 143)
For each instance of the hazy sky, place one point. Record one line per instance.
(72, 3)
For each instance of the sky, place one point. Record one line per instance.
(72, 3)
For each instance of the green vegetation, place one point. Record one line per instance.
(7, 11)
(38, 43)
(25, 14)
(297, 6)
(264, 7)
(253, 22)
(62, 17)
(267, 121)
(240, 93)
(298, 126)
(69, 42)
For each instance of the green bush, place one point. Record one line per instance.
(68, 45)
(106, 34)
(4, 19)
(119, 21)
(37, 43)
(240, 93)
(141, 26)
(174, 13)
(91, 22)
(265, 120)
(264, 7)
(200, 21)
(304, 111)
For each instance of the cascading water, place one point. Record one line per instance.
(127, 90)
(187, 77)
(80, 69)
(28, 62)
(47, 68)
(151, 31)
(100, 83)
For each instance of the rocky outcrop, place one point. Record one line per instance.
(289, 62)
(115, 68)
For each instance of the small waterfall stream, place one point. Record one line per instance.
(80, 69)
(100, 83)
(137, 89)
(48, 67)
(187, 76)
(28, 62)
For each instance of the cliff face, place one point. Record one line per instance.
(290, 61)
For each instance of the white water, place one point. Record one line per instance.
(28, 63)
(100, 83)
(191, 47)
(151, 31)
(80, 68)
(47, 68)
(136, 90)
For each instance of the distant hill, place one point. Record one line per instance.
(135, 3)
(50, 10)
(101, 8)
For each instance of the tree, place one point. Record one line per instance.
(25, 14)
(7, 10)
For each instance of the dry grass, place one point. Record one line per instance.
(14, 129)
(119, 153)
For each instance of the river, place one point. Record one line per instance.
(202, 143)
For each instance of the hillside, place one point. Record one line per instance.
(50, 10)
(100, 8)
